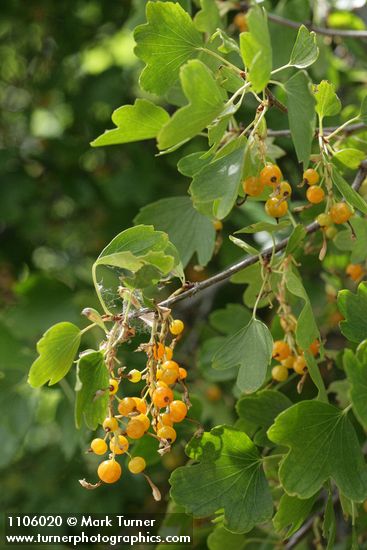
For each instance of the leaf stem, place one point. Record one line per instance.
(282, 68)
(341, 128)
(222, 59)
(97, 289)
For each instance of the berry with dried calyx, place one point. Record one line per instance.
(276, 208)
(281, 350)
(311, 177)
(134, 376)
(168, 433)
(140, 404)
(126, 406)
(113, 386)
(284, 189)
(110, 424)
(271, 175)
(162, 397)
(300, 366)
(119, 445)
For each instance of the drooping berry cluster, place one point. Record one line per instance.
(153, 413)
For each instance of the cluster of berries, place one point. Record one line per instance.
(276, 205)
(290, 359)
(153, 414)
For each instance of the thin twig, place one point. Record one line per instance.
(348, 130)
(246, 262)
(343, 33)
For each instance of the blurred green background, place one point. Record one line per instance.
(65, 66)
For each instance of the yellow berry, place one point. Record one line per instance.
(300, 365)
(324, 220)
(252, 186)
(167, 432)
(218, 226)
(240, 21)
(172, 365)
(110, 424)
(134, 376)
(182, 373)
(109, 471)
(98, 446)
(284, 189)
(276, 208)
(270, 175)
(176, 327)
(169, 376)
(136, 465)
(113, 386)
(119, 445)
(144, 420)
(288, 362)
(279, 373)
(140, 404)
(315, 194)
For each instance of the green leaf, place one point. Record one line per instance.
(306, 331)
(143, 120)
(318, 435)
(363, 111)
(356, 370)
(206, 100)
(229, 477)
(208, 18)
(165, 43)
(261, 410)
(92, 377)
(57, 349)
(244, 246)
(256, 48)
(344, 240)
(137, 248)
(187, 229)
(264, 226)
(230, 319)
(353, 307)
(305, 50)
(327, 102)
(227, 45)
(215, 187)
(349, 157)
(249, 349)
(193, 163)
(329, 523)
(292, 513)
(222, 538)
(301, 114)
(297, 236)
(348, 192)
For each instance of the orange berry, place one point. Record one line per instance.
(340, 212)
(252, 186)
(109, 471)
(276, 208)
(169, 376)
(167, 432)
(119, 445)
(144, 420)
(135, 429)
(158, 351)
(270, 175)
(168, 353)
(162, 397)
(177, 410)
(110, 424)
(98, 446)
(126, 406)
(311, 177)
(140, 405)
(240, 22)
(176, 327)
(281, 350)
(279, 373)
(171, 365)
(213, 393)
(315, 348)
(315, 194)
(182, 373)
(355, 271)
(162, 384)
(299, 366)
